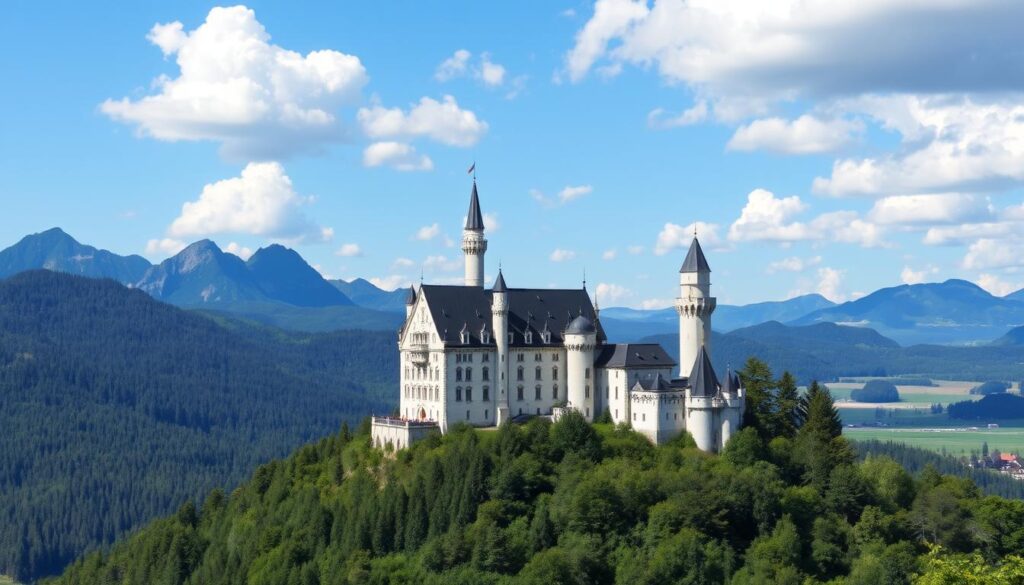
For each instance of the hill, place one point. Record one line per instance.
(568, 503)
(56, 250)
(1014, 337)
(366, 294)
(284, 276)
(954, 311)
(116, 408)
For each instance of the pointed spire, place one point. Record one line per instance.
(695, 260)
(703, 381)
(499, 284)
(410, 299)
(474, 219)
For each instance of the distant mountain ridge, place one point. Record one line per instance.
(366, 294)
(55, 250)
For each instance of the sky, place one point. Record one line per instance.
(815, 146)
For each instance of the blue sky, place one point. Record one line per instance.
(820, 146)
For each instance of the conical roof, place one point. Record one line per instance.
(499, 284)
(695, 260)
(581, 326)
(474, 219)
(703, 381)
(410, 298)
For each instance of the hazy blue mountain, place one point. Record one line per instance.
(284, 276)
(1015, 296)
(202, 274)
(1013, 337)
(954, 311)
(56, 250)
(365, 294)
(816, 336)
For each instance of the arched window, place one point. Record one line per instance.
(536, 374)
(487, 374)
(536, 395)
(458, 374)
(458, 394)
(469, 374)
(519, 393)
(519, 374)
(554, 372)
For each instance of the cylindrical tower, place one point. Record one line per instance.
(474, 246)
(410, 302)
(580, 339)
(694, 305)
(499, 322)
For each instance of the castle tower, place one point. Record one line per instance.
(473, 243)
(694, 305)
(499, 322)
(703, 403)
(580, 339)
(410, 302)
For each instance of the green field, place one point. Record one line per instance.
(5, 580)
(953, 441)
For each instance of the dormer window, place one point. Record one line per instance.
(545, 337)
(528, 337)
(485, 337)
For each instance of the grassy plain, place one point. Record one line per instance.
(953, 441)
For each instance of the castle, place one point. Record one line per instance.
(485, 356)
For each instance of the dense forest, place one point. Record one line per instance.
(573, 503)
(876, 391)
(999, 406)
(116, 408)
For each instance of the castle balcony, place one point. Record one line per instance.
(419, 353)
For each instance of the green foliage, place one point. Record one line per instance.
(990, 387)
(992, 407)
(876, 391)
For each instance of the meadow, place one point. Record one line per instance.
(957, 441)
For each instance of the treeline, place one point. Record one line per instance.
(115, 408)
(573, 503)
(992, 407)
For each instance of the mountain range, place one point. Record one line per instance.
(277, 286)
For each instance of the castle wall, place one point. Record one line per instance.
(659, 416)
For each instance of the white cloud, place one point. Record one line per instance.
(609, 254)
(611, 19)
(491, 73)
(428, 232)
(804, 135)
(261, 201)
(793, 264)
(444, 122)
(400, 263)
(390, 282)
(239, 250)
(349, 250)
(962, 234)
(943, 208)
(398, 155)
(997, 285)
(609, 294)
(987, 253)
(491, 223)
(678, 237)
(560, 255)
(654, 304)
(768, 218)
(164, 246)
(454, 66)
(910, 276)
(698, 113)
(830, 284)
(257, 99)
(442, 264)
(570, 193)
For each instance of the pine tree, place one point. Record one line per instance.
(787, 401)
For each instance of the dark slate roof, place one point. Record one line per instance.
(536, 310)
(657, 383)
(732, 382)
(580, 326)
(703, 381)
(499, 284)
(474, 219)
(633, 355)
(695, 260)
(410, 298)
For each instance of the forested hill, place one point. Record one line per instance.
(573, 503)
(115, 408)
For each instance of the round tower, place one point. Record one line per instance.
(474, 246)
(694, 305)
(580, 339)
(499, 322)
(410, 302)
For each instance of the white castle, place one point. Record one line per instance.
(484, 356)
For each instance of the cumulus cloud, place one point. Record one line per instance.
(442, 121)
(397, 155)
(428, 232)
(349, 251)
(793, 264)
(769, 218)
(257, 99)
(491, 73)
(261, 202)
(454, 66)
(804, 135)
(164, 246)
(400, 263)
(910, 276)
(659, 119)
(609, 254)
(997, 286)
(239, 250)
(560, 255)
(988, 253)
(828, 282)
(962, 234)
(609, 294)
(390, 282)
(571, 193)
(944, 208)
(678, 237)
(441, 263)
(486, 71)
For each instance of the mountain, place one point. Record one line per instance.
(366, 294)
(116, 408)
(570, 503)
(1013, 337)
(631, 324)
(954, 311)
(202, 274)
(56, 250)
(284, 276)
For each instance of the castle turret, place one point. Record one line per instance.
(499, 322)
(410, 302)
(580, 339)
(703, 403)
(694, 305)
(473, 243)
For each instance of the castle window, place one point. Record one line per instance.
(528, 337)
(520, 357)
(588, 412)
(616, 393)
(554, 372)
(554, 392)
(485, 337)
(536, 374)
(545, 337)
(519, 394)
(519, 374)
(458, 394)
(643, 417)
(616, 414)
(555, 357)
(487, 373)
(486, 358)
(586, 390)
(487, 414)
(469, 374)
(467, 415)
(458, 374)
(458, 358)
(536, 395)
(538, 411)
(469, 394)
(538, 357)
(634, 417)
(487, 393)
(587, 374)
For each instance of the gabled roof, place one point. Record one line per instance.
(633, 355)
(499, 284)
(533, 310)
(703, 381)
(695, 260)
(474, 219)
